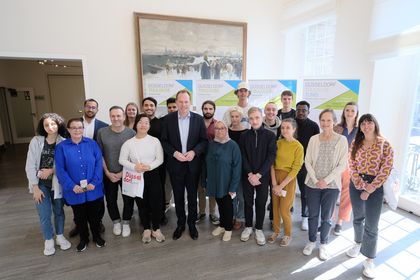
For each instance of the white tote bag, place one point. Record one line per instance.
(132, 183)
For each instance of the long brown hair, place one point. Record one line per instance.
(360, 136)
(343, 123)
(126, 121)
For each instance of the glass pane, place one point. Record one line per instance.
(411, 176)
(22, 114)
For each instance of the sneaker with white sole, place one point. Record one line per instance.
(285, 241)
(227, 235)
(62, 242)
(369, 269)
(260, 237)
(323, 254)
(304, 226)
(126, 230)
(218, 231)
(246, 233)
(157, 234)
(147, 236)
(309, 248)
(117, 229)
(49, 248)
(354, 251)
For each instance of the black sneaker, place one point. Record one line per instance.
(214, 220)
(100, 242)
(82, 246)
(337, 229)
(200, 217)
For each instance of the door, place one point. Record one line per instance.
(67, 95)
(22, 114)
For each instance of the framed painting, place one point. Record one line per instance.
(181, 48)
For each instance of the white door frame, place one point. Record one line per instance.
(15, 138)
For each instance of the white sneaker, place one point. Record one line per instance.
(354, 251)
(369, 269)
(246, 233)
(259, 235)
(126, 230)
(158, 236)
(323, 255)
(117, 229)
(309, 248)
(147, 236)
(304, 225)
(227, 235)
(49, 248)
(218, 231)
(62, 242)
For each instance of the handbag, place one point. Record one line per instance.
(132, 183)
(392, 189)
(391, 186)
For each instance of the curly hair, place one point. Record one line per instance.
(57, 119)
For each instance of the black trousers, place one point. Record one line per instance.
(88, 212)
(261, 192)
(111, 195)
(129, 206)
(162, 176)
(302, 188)
(181, 181)
(225, 206)
(150, 206)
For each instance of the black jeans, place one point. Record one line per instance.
(260, 202)
(150, 210)
(111, 195)
(88, 212)
(181, 181)
(225, 206)
(302, 188)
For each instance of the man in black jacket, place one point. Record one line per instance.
(258, 147)
(306, 129)
(184, 140)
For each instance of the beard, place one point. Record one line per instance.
(208, 116)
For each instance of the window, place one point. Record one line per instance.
(319, 48)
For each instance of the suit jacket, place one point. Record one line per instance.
(98, 125)
(171, 142)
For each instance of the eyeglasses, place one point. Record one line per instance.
(219, 128)
(90, 107)
(76, 128)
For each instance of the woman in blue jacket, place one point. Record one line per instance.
(222, 176)
(79, 171)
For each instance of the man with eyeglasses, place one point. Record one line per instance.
(90, 122)
(306, 129)
(91, 126)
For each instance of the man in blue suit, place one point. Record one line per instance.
(184, 140)
(90, 122)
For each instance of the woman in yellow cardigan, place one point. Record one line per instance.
(289, 160)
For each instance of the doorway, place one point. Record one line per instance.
(34, 86)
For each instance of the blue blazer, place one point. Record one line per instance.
(171, 141)
(98, 125)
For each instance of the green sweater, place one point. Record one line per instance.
(289, 157)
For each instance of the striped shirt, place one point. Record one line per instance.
(376, 160)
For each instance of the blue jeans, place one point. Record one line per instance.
(366, 214)
(238, 205)
(46, 208)
(324, 200)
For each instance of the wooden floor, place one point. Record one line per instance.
(21, 247)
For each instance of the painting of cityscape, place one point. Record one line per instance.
(190, 48)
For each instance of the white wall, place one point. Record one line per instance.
(102, 33)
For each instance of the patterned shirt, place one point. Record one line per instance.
(376, 160)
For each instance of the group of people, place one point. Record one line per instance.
(238, 162)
